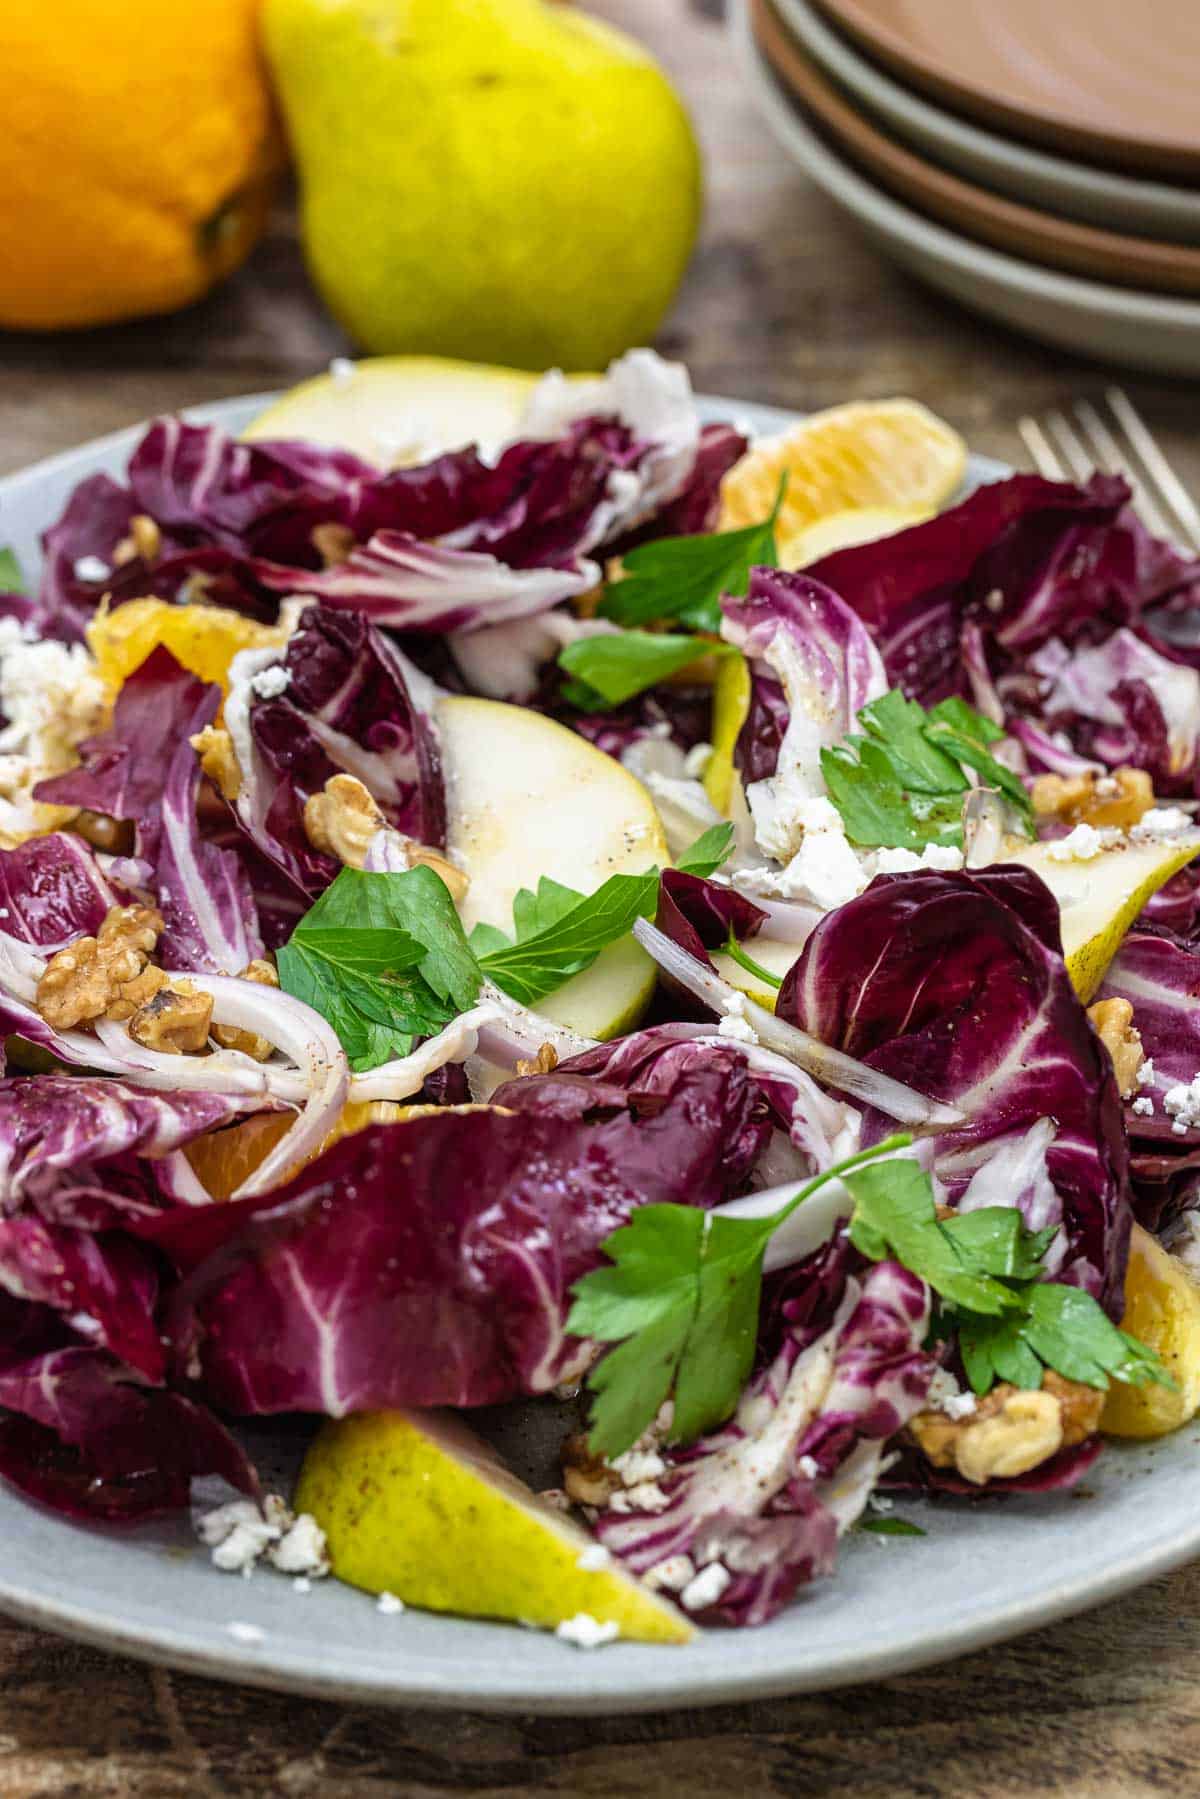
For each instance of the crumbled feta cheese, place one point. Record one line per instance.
(1145, 1074)
(1081, 844)
(824, 871)
(302, 1584)
(1160, 821)
(301, 1549)
(637, 1465)
(673, 1573)
(706, 1588)
(271, 682)
(943, 856)
(1144, 1107)
(697, 760)
(902, 861)
(341, 370)
(648, 1496)
(91, 568)
(246, 1633)
(389, 1605)
(240, 1534)
(586, 1632)
(808, 1467)
(945, 1395)
(1183, 1103)
(594, 1558)
(737, 1029)
(879, 1502)
(896, 862)
(51, 699)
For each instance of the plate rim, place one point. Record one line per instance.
(947, 196)
(665, 1680)
(969, 146)
(1156, 154)
(866, 202)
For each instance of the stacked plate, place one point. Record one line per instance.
(1037, 159)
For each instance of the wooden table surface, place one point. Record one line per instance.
(784, 303)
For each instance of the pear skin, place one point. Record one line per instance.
(502, 180)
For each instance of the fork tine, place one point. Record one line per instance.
(1109, 454)
(1040, 453)
(1170, 488)
(1064, 435)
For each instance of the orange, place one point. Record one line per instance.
(224, 1159)
(136, 159)
(204, 639)
(870, 453)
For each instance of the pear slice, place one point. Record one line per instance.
(526, 797)
(1100, 897)
(730, 708)
(843, 530)
(775, 957)
(395, 410)
(413, 1503)
(1162, 1309)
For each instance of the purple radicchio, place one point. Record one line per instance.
(144, 769)
(455, 1236)
(337, 699)
(813, 666)
(1040, 602)
(735, 1523)
(956, 983)
(88, 1436)
(52, 890)
(1160, 978)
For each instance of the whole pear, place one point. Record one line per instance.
(503, 180)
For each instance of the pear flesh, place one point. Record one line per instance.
(526, 797)
(414, 1504)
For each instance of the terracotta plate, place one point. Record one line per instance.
(1062, 184)
(1137, 262)
(1102, 78)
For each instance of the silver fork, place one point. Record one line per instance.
(1065, 447)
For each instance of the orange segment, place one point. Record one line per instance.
(204, 639)
(222, 1160)
(892, 453)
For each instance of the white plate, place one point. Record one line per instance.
(980, 1574)
(1119, 325)
(1097, 196)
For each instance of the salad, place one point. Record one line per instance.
(701, 935)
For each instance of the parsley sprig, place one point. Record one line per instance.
(384, 958)
(899, 781)
(608, 669)
(559, 932)
(683, 578)
(681, 1297)
(712, 848)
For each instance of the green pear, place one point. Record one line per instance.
(502, 180)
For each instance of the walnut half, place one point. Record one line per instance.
(342, 819)
(176, 1021)
(1117, 799)
(1011, 1431)
(229, 1036)
(105, 976)
(1113, 1022)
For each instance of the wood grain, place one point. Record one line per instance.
(784, 303)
